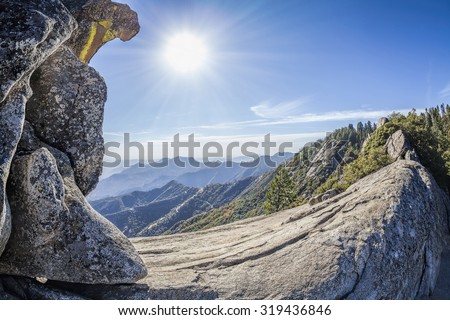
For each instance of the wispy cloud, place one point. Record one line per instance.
(113, 134)
(121, 133)
(445, 93)
(333, 116)
(349, 115)
(269, 111)
(227, 125)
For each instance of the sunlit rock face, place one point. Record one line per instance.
(380, 239)
(383, 238)
(50, 162)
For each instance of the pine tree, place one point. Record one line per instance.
(281, 194)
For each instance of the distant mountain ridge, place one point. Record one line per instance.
(156, 211)
(309, 169)
(147, 178)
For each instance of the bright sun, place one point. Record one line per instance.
(186, 53)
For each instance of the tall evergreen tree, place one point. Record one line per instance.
(281, 194)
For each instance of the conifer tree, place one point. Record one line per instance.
(281, 194)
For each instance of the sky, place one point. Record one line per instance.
(294, 68)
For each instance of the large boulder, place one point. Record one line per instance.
(382, 121)
(30, 31)
(100, 21)
(398, 145)
(66, 110)
(381, 239)
(56, 234)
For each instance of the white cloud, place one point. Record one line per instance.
(334, 116)
(112, 134)
(445, 93)
(267, 111)
(226, 125)
(359, 115)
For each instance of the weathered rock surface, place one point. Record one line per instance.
(5, 225)
(100, 21)
(66, 110)
(330, 156)
(442, 290)
(47, 228)
(12, 113)
(56, 234)
(381, 239)
(31, 31)
(398, 145)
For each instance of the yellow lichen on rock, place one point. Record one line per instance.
(107, 24)
(90, 41)
(99, 30)
(99, 22)
(110, 34)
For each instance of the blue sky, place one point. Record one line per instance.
(292, 68)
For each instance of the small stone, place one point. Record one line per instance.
(41, 280)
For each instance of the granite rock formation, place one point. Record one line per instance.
(381, 239)
(47, 228)
(398, 145)
(327, 159)
(66, 111)
(56, 234)
(31, 31)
